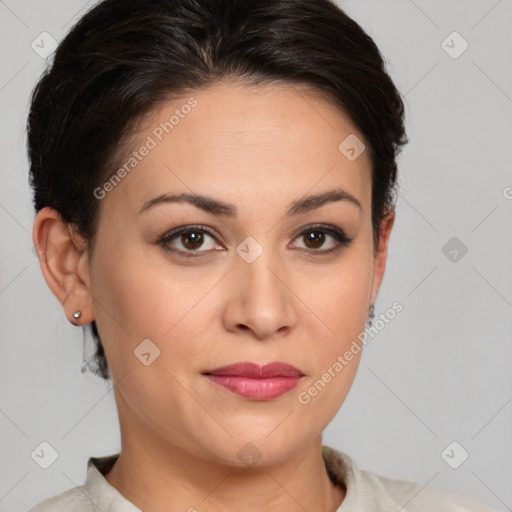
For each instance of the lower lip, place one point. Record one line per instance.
(256, 389)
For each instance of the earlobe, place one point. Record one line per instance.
(381, 254)
(64, 264)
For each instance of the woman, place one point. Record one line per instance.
(214, 186)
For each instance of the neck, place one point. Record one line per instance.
(153, 475)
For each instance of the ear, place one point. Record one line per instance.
(381, 254)
(65, 264)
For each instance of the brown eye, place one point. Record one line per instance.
(316, 237)
(189, 241)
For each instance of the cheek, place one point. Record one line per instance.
(341, 297)
(340, 301)
(137, 299)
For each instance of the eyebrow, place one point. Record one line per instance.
(216, 207)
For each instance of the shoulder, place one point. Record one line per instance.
(366, 490)
(415, 497)
(73, 499)
(95, 494)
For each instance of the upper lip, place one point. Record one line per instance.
(256, 371)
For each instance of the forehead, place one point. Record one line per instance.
(242, 140)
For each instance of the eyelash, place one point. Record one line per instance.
(340, 237)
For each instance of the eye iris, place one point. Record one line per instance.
(195, 237)
(316, 237)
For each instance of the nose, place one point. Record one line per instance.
(260, 298)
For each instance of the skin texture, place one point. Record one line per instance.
(260, 149)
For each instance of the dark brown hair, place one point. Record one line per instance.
(124, 57)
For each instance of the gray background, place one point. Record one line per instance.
(438, 373)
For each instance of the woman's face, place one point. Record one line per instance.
(256, 285)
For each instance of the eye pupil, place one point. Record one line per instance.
(197, 240)
(317, 237)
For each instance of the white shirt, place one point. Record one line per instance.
(365, 491)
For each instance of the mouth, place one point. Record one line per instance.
(256, 382)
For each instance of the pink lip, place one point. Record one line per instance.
(256, 382)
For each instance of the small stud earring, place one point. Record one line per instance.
(77, 314)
